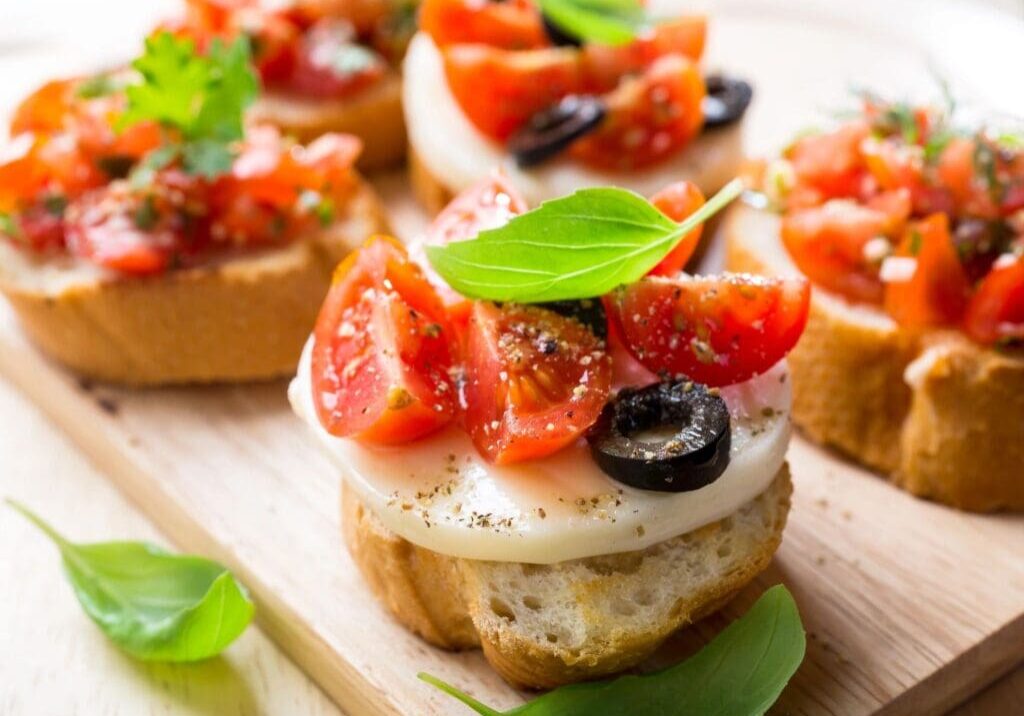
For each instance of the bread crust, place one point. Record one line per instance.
(443, 598)
(375, 116)
(242, 319)
(942, 417)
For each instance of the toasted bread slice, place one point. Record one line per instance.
(940, 415)
(541, 626)
(243, 318)
(375, 116)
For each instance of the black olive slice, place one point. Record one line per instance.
(691, 450)
(557, 35)
(553, 129)
(726, 101)
(588, 311)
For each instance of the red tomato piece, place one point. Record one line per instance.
(364, 14)
(45, 110)
(649, 118)
(958, 172)
(535, 381)
(831, 162)
(510, 25)
(677, 201)
(381, 353)
(330, 62)
(716, 330)
(606, 65)
(499, 90)
(827, 243)
(121, 230)
(937, 292)
(488, 204)
(996, 311)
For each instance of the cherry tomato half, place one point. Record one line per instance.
(381, 353)
(535, 381)
(677, 201)
(716, 330)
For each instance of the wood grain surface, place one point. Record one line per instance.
(53, 660)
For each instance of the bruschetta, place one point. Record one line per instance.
(561, 484)
(147, 237)
(559, 108)
(325, 66)
(911, 229)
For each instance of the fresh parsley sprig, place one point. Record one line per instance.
(155, 605)
(740, 673)
(198, 99)
(579, 246)
(608, 22)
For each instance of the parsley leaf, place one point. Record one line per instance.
(579, 246)
(199, 99)
(609, 22)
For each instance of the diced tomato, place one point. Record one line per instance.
(45, 110)
(937, 292)
(827, 244)
(330, 62)
(606, 65)
(499, 90)
(381, 354)
(57, 165)
(957, 171)
(716, 330)
(677, 201)
(535, 381)
(488, 204)
(510, 25)
(40, 228)
(649, 118)
(831, 162)
(996, 311)
(364, 14)
(114, 227)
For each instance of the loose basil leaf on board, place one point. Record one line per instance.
(740, 673)
(608, 22)
(579, 246)
(155, 605)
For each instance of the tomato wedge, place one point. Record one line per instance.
(936, 294)
(996, 312)
(535, 381)
(677, 201)
(499, 90)
(510, 25)
(381, 356)
(650, 118)
(716, 330)
(827, 243)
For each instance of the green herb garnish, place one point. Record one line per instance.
(9, 226)
(97, 86)
(198, 98)
(55, 204)
(155, 605)
(608, 22)
(579, 246)
(740, 673)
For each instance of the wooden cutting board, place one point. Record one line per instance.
(910, 608)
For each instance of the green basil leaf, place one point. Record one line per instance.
(155, 605)
(740, 673)
(608, 22)
(579, 246)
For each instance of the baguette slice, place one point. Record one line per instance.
(241, 319)
(940, 415)
(375, 116)
(542, 626)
